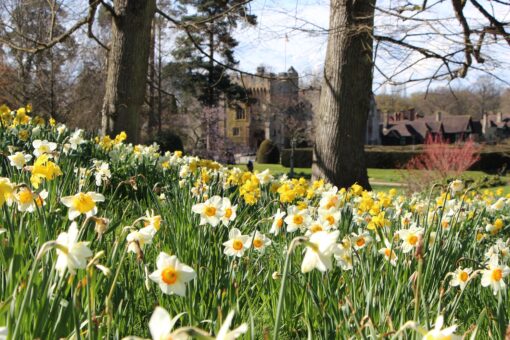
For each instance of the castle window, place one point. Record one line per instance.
(240, 114)
(235, 131)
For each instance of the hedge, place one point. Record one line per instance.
(490, 161)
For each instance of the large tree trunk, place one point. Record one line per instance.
(345, 96)
(127, 67)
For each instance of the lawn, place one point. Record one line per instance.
(379, 178)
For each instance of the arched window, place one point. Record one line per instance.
(240, 114)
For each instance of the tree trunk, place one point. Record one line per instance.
(127, 67)
(345, 95)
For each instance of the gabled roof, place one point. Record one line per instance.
(456, 124)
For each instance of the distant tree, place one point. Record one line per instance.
(486, 95)
(205, 42)
(39, 76)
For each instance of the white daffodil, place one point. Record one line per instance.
(316, 226)
(319, 250)
(297, 219)
(360, 240)
(460, 278)
(456, 186)
(137, 239)
(76, 139)
(42, 147)
(494, 275)
(277, 225)
(82, 203)
(25, 199)
(161, 325)
(210, 211)
(102, 172)
(19, 159)
(330, 217)
(152, 220)
(237, 243)
(226, 334)
(388, 253)
(438, 334)
(264, 177)
(343, 254)
(410, 238)
(330, 199)
(172, 275)
(229, 211)
(259, 241)
(72, 254)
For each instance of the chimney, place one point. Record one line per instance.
(499, 117)
(438, 116)
(386, 119)
(412, 114)
(485, 123)
(267, 130)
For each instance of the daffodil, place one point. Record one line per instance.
(277, 225)
(410, 238)
(72, 254)
(361, 240)
(319, 250)
(82, 203)
(297, 219)
(19, 159)
(460, 277)
(161, 325)
(172, 275)
(259, 241)
(389, 253)
(43, 168)
(137, 239)
(43, 147)
(26, 199)
(456, 186)
(152, 220)
(440, 333)
(210, 211)
(494, 274)
(229, 211)
(6, 190)
(226, 334)
(237, 243)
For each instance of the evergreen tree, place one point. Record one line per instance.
(206, 49)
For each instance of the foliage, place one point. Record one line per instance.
(169, 141)
(440, 160)
(205, 43)
(302, 157)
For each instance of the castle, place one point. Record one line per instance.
(275, 104)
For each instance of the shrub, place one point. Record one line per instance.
(302, 157)
(169, 141)
(439, 161)
(268, 153)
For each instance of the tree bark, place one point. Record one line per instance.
(127, 67)
(345, 95)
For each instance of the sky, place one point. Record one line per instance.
(293, 33)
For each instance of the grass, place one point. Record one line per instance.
(376, 176)
(337, 282)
